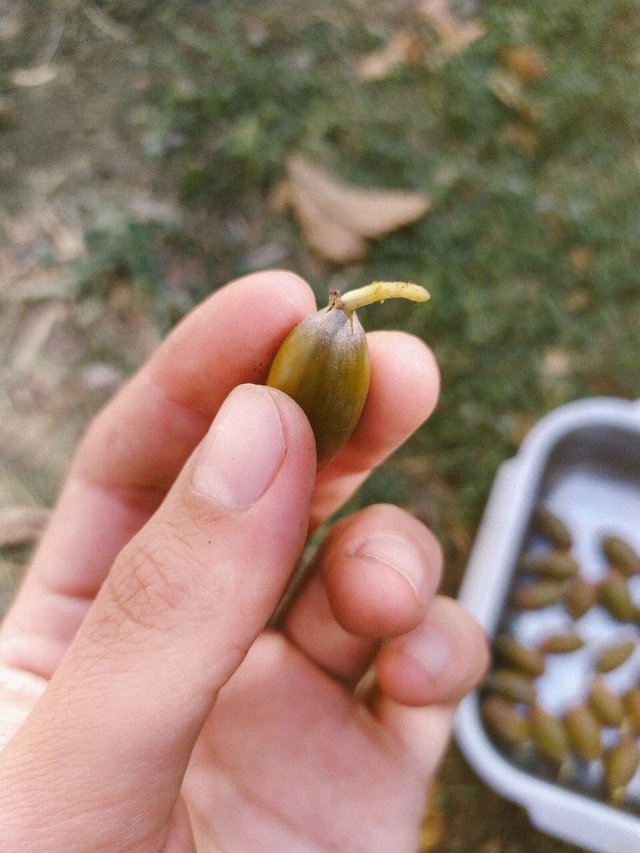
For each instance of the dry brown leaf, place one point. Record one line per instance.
(524, 62)
(323, 234)
(556, 362)
(509, 90)
(522, 136)
(67, 242)
(581, 258)
(337, 218)
(577, 299)
(404, 48)
(37, 76)
(279, 198)
(455, 35)
(35, 333)
(368, 212)
(21, 524)
(506, 87)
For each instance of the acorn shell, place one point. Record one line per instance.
(621, 555)
(506, 720)
(615, 655)
(614, 594)
(554, 564)
(584, 733)
(512, 684)
(607, 706)
(519, 656)
(540, 594)
(552, 527)
(550, 735)
(621, 763)
(581, 596)
(324, 365)
(559, 644)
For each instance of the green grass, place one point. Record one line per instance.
(527, 251)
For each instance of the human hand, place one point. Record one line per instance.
(144, 704)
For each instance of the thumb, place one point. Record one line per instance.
(179, 610)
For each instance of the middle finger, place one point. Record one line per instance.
(373, 578)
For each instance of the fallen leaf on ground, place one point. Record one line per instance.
(455, 34)
(404, 48)
(524, 62)
(36, 330)
(581, 258)
(21, 524)
(338, 218)
(556, 362)
(508, 89)
(279, 199)
(577, 299)
(522, 136)
(37, 76)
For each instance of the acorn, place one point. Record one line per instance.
(560, 644)
(324, 363)
(615, 655)
(512, 684)
(554, 564)
(584, 733)
(519, 656)
(631, 702)
(614, 594)
(550, 735)
(607, 706)
(540, 594)
(621, 555)
(552, 527)
(621, 763)
(581, 596)
(506, 720)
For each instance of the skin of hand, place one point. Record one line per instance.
(144, 704)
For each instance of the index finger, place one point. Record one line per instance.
(134, 449)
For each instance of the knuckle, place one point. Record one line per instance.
(156, 579)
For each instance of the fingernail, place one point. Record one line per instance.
(242, 451)
(397, 553)
(429, 649)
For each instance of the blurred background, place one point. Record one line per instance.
(151, 151)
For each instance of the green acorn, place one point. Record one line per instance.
(519, 656)
(621, 763)
(324, 363)
(552, 527)
(621, 555)
(506, 720)
(584, 732)
(607, 706)
(550, 736)
(554, 564)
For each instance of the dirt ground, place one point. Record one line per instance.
(76, 121)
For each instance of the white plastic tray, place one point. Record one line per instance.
(583, 461)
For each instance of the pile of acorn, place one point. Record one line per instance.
(597, 738)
